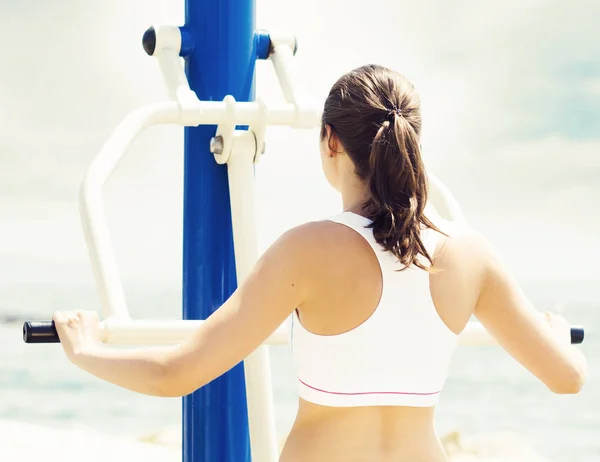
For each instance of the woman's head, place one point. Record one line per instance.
(373, 116)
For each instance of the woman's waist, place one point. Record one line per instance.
(356, 417)
(363, 434)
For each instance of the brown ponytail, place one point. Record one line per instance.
(375, 113)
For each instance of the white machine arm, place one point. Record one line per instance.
(93, 218)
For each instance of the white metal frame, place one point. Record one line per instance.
(239, 150)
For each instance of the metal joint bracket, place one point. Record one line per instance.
(282, 51)
(164, 43)
(222, 142)
(157, 39)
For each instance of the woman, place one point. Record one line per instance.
(378, 295)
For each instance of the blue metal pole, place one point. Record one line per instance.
(222, 62)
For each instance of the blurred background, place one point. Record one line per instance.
(511, 107)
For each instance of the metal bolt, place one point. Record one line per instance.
(216, 145)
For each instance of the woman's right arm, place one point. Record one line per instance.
(541, 343)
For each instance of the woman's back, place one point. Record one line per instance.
(468, 279)
(346, 301)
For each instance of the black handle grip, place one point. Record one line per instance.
(45, 332)
(577, 334)
(40, 332)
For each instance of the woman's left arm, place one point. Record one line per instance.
(277, 285)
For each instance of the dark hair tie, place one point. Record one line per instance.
(392, 113)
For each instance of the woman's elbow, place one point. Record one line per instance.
(571, 383)
(173, 384)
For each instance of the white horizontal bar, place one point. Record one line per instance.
(248, 113)
(146, 332)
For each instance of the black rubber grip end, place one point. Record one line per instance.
(149, 41)
(40, 332)
(577, 335)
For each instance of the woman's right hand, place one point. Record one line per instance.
(562, 330)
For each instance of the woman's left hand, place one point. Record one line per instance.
(79, 331)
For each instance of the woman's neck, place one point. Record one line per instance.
(355, 194)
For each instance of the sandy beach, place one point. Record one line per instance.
(31, 443)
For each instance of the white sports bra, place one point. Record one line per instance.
(398, 357)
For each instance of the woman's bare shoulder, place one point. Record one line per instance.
(324, 241)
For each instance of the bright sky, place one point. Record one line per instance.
(511, 103)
